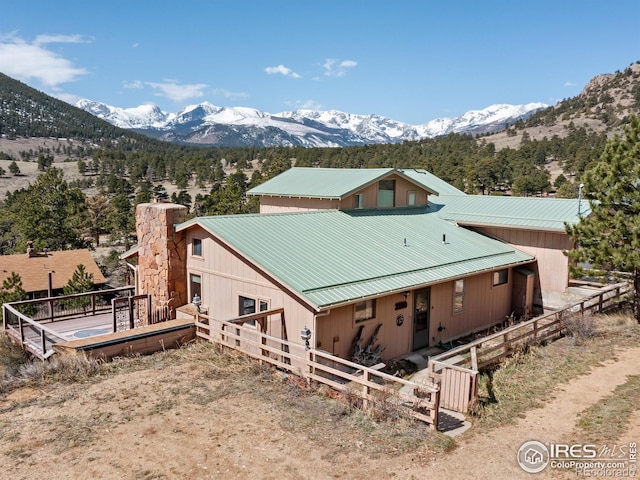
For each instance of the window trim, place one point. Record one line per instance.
(496, 277)
(192, 283)
(414, 194)
(369, 305)
(393, 199)
(194, 242)
(358, 201)
(458, 295)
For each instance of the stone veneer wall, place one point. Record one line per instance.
(161, 253)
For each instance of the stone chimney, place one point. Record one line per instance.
(162, 265)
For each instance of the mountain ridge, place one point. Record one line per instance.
(208, 124)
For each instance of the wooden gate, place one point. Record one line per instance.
(458, 385)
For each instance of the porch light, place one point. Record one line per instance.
(197, 301)
(305, 334)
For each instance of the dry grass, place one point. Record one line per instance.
(523, 381)
(200, 374)
(608, 419)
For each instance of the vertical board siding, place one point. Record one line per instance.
(547, 247)
(286, 204)
(225, 277)
(395, 339)
(484, 306)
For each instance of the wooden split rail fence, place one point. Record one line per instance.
(456, 370)
(376, 389)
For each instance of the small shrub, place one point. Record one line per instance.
(579, 327)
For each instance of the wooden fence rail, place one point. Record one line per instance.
(456, 370)
(375, 388)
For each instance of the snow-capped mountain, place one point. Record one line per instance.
(208, 124)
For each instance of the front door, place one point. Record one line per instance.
(421, 308)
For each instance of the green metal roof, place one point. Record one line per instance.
(535, 213)
(333, 257)
(429, 180)
(333, 183)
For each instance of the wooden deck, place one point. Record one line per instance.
(102, 323)
(142, 340)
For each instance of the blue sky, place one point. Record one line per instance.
(412, 61)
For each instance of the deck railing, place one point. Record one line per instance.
(374, 388)
(456, 370)
(30, 321)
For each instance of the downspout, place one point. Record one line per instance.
(314, 328)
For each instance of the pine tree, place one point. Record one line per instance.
(609, 238)
(80, 282)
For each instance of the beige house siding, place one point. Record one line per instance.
(484, 306)
(339, 325)
(226, 277)
(269, 204)
(287, 204)
(548, 248)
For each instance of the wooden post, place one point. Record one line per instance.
(310, 367)
(600, 299)
(93, 304)
(474, 358)
(43, 343)
(131, 320)
(365, 389)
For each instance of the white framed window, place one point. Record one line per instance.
(458, 295)
(358, 200)
(412, 198)
(501, 277)
(386, 193)
(195, 285)
(196, 247)
(363, 311)
(247, 306)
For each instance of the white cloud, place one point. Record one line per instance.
(335, 68)
(569, 84)
(176, 92)
(26, 61)
(135, 45)
(223, 92)
(282, 70)
(136, 85)
(304, 104)
(45, 39)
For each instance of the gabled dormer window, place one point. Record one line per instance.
(386, 193)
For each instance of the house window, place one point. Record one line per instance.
(365, 310)
(358, 200)
(386, 193)
(247, 306)
(197, 247)
(458, 295)
(195, 285)
(412, 198)
(500, 277)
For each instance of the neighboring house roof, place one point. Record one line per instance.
(329, 183)
(429, 180)
(530, 213)
(334, 257)
(34, 270)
